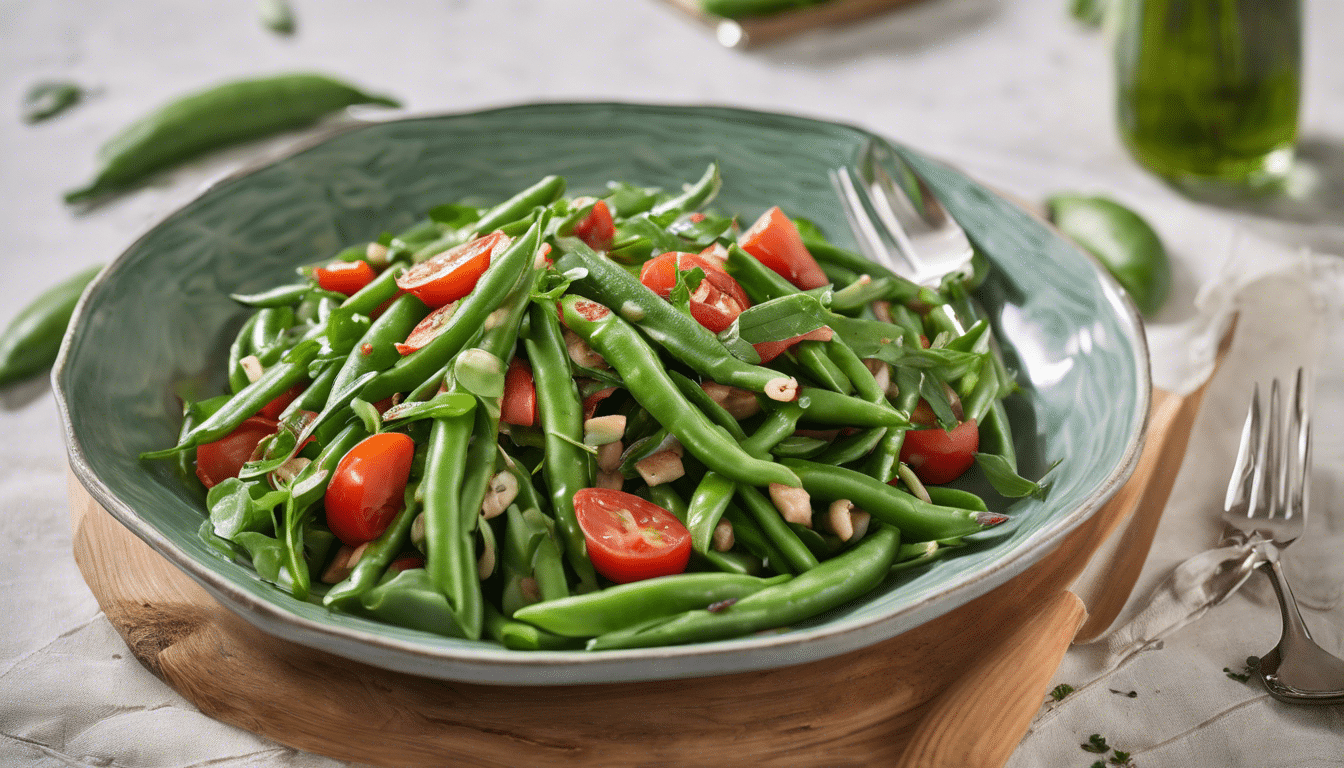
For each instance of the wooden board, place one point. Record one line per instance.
(761, 30)
(957, 691)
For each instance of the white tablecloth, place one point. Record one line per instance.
(1012, 91)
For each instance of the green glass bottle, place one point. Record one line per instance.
(1209, 89)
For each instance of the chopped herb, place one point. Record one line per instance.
(1099, 764)
(1060, 691)
(1120, 758)
(49, 99)
(1130, 694)
(1096, 744)
(1240, 677)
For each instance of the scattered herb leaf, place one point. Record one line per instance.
(48, 99)
(1096, 744)
(1060, 691)
(1120, 758)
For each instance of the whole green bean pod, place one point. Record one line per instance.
(813, 358)
(239, 349)
(624, 605)
(831, 584)
(797, 557)
(828, 407)
(491, 289)
(544, 192)
(280, 296)
(306, 490)
(450, 558)
(33, 338)
(918, 520)
(679, 333)
(217, 117)
(626, 351)
(567, 467)
(521, 636)
(269, 337)
(376, 349)
(382, 289)
(696, 195)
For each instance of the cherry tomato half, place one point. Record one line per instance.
(715, 303)
(628, 538)
(597, 229)
(222, 459)
(427, 330)
(366, 489)
(519, 406)
(344, 276)
(939, 456)
(452, 274)
(775, 241)
(769, 350)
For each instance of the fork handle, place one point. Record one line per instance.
(1294, 628)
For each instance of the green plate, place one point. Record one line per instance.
(158, 321)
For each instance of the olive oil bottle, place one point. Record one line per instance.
(1209, 89)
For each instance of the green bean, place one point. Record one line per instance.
(830, 584)
(376, 350)
(799, 447)
(750, 536)
(849, 363)
(812, 357)
(678, 333)
(239, 349)
(378, 554)
(626, 351)
(700, 399)
(269, 339)
(623, 605)
(759, 281)
(521, 636)
(996, 434)
(544, 192)
(826, 407)
(381, 290)
(850, 449)
(472, 310)
(305, 491)
(695, 196)
(567, 468)
(826, 253)
(797, 557)
(450, 559)
(280, 296)
(33, 338)
(213, 118)
(917, 519)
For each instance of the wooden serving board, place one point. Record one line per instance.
(957, 691)
(761, 30)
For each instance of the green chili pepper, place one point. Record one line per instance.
(1122, 241)
(831, 584)
(217, 117)
(33, 338)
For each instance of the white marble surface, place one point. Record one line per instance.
(1011, 90)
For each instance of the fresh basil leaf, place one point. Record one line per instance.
(935, 394)
(782, 318)
(687, 281)
(1000, 473)
(237, 506)
(649, 228)
(480, 373)
(737, 346)
(454, 215)
(626, 200)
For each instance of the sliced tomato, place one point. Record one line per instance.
(427, 330)
(628, 538)
(715, 303)
(222, 459)
(769, 350)
(452, 274)
(591, 402)
(597, 229)
(519, 406)
(344, 276)
(938, 455)
(367, 486)
(774, 239)
(273, 409)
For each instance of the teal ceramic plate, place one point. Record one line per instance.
(159, 319)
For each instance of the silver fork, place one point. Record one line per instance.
(1266, 507)
(897, 220)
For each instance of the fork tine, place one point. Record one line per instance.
(876, 243)
(1299, 456)
(1241, 485)
(1276, 469)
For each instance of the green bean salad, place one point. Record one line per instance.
(599, 422)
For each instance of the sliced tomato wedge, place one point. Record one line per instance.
(774, 239)
(405, 563)
(597, 229)
(366, 488)
(519, 406)
(628, 538)
(941, 456)
(344, 276)
(715, 303)
(427, 330)
(222, 459)
(452, 274)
